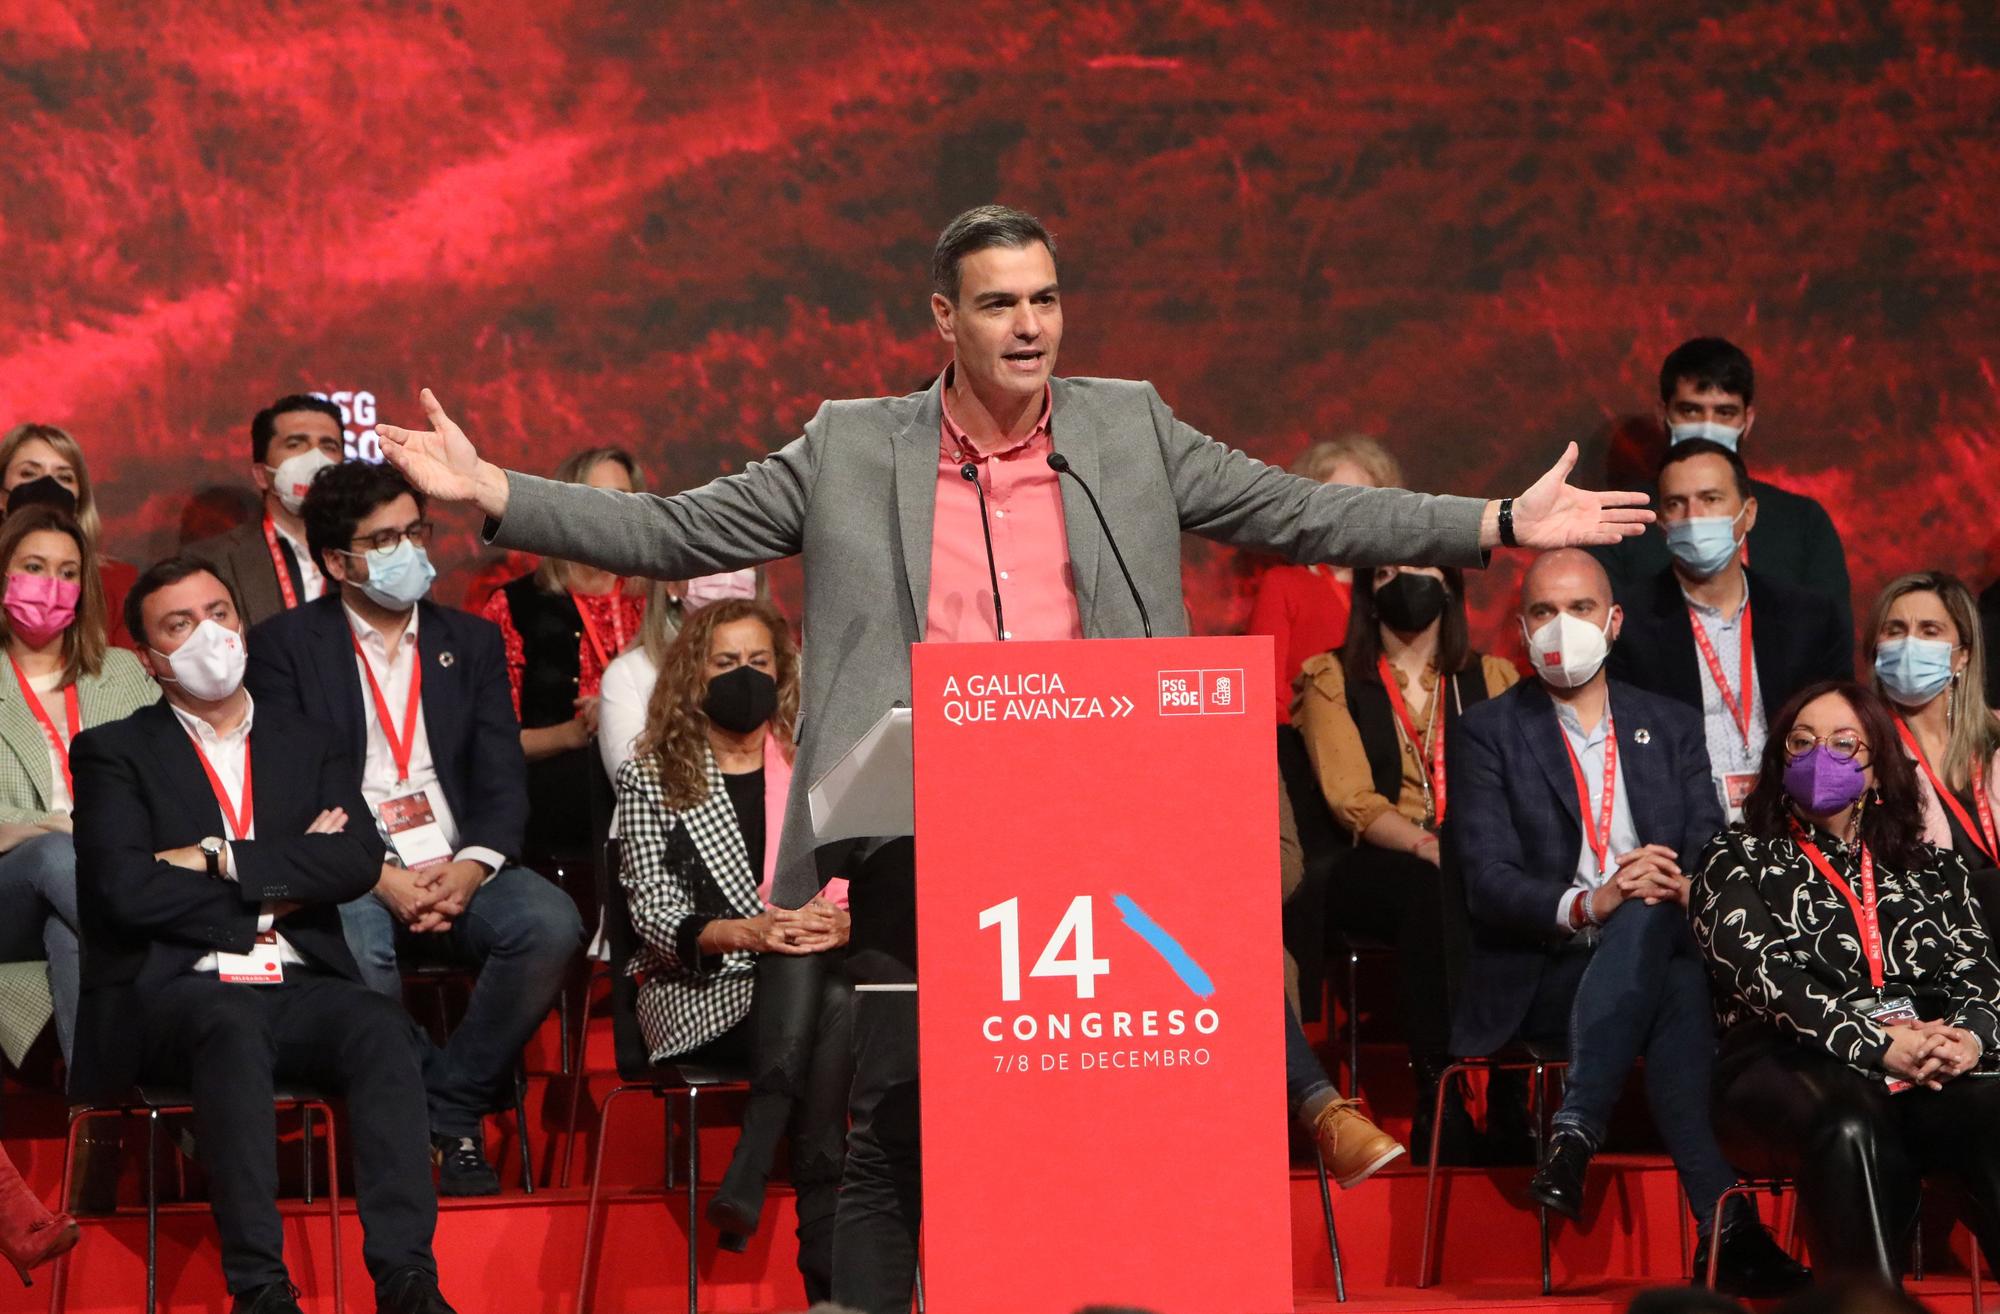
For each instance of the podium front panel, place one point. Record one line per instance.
(1100, 977)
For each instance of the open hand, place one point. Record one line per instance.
(442, 462)
(1554, 513)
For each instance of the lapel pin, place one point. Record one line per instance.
(446, 659)
(1642, 736)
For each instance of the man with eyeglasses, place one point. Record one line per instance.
(420, 693)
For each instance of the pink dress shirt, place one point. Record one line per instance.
(1030, 546)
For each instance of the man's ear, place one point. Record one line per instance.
(945, 316)
(1749, 418)
(333, 565)
(1749, 515)
(1615, 624)
(260, 475)
(154, 666)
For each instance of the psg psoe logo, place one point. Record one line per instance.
(357, 423)
(1201, 693)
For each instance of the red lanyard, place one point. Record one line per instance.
(1429, 749)
(238, 819)
(401, 748)
(604, 654)
(1863, 908)
(1597, 831)
(1745, 676)
(57, 743)
(278, 564)
(1984, 837)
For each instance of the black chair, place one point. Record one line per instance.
(639, 1074)
(153, 1101)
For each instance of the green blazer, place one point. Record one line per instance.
(115, 692)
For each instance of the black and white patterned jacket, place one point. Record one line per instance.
(1784, 946)
(682, 870)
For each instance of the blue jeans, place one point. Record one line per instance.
(519, 934)
(38, 918)
(1641, 991)
(1305, 1075)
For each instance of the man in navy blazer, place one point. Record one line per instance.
(216, 839)
(1573, 799)
(419, 694)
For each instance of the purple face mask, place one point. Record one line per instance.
(1823, 784)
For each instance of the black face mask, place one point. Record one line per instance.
(45, 491)
(1410, 602)
(741, 700)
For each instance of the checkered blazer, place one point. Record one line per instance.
(115, 692)
(680, 865)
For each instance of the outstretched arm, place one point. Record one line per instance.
(1554, 513)
(740, 520)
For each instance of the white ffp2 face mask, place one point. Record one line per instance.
(209, 666)
(1567, 651)
(291, 477)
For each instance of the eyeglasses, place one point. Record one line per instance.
(1845, 746)
(385, 540)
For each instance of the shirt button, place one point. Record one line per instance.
(1007, 634)
(1003, 574)
(1001, 514)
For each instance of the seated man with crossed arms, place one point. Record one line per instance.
(216, 840)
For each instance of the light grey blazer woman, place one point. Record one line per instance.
(38, 872)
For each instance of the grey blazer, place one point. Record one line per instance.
(855, 494)
(243, 558)
(115, 692)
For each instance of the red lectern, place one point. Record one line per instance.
(1101, 977)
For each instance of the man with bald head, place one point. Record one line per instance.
(1573, 799)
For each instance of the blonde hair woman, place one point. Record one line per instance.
(1930, 664)
(30, 453)
(1304, 608)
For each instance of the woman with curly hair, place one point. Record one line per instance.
(1858, 995)
(726, 976)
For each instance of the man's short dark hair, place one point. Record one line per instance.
(1693, 447)
(1709, 363)
(344, 495)
(159, 575)
(264, 427)
(977, 229)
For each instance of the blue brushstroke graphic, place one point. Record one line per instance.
(1186, 968)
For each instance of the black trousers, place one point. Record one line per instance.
(798, 1041)
(881, 1190)
(233, 1044)
(1395, 898)
(1859, 1152)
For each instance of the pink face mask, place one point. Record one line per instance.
(39, 607)
(718, 588)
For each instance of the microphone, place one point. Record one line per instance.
(1060, 464)
(970, 473)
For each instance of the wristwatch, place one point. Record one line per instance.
(211, 849)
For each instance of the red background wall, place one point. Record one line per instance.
(1470, 228)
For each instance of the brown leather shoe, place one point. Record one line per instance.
(1352, 1147)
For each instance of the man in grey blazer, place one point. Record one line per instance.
(860, 495)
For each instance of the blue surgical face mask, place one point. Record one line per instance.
(398, 577)
(1704, 544)
(1914, 671)
(1709, 429)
